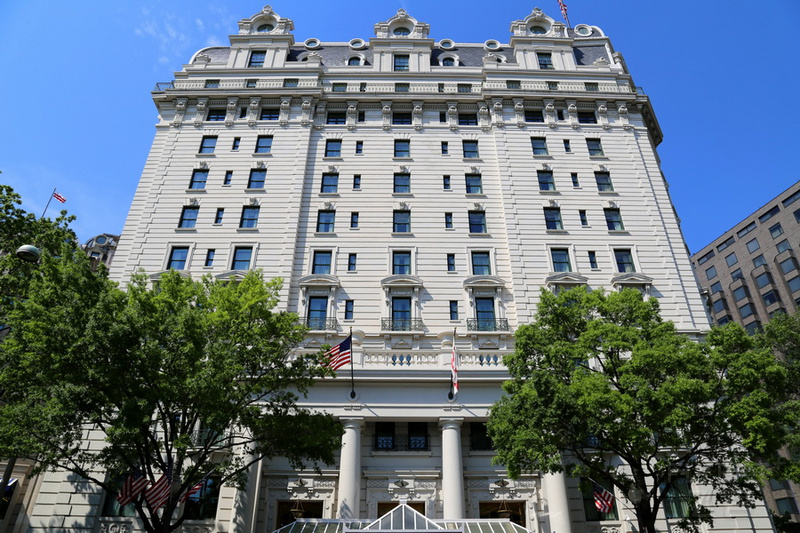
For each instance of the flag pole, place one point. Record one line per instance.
(352, 378)
(563, 7)
(48, 202)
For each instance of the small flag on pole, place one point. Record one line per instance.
(59, 197)
(454, 367)
(339, 355)
(603, 500)
(132, 487)
(194, 489)
(158, 494)
(563, 7)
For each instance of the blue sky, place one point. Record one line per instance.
(77, 76)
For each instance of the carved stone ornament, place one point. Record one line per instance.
(115, 527)
(194, 201)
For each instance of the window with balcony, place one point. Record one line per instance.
(484, 314)
(401, 313)
(317, 314)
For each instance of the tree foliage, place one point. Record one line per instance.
(600, 378)
(198, 375)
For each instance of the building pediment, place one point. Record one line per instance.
(632, 278)
(319, 280)
(476, 282)
(401, 280)
(566, 278)
(232, 275)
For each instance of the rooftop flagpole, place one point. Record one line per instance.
(48, 202)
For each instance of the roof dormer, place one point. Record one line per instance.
(266, 21)
(537, 24)
(402, 25)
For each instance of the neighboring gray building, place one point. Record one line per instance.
(748, 274)
(421, 193)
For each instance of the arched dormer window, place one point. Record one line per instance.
(448, 62)
(265, 28)
(354, 61)
(401, 31)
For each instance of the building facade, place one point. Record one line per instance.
(748, 274)
(420, 193)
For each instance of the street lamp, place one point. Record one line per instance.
(29, 253)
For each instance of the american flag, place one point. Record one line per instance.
(158, 494)
(563, 7)
(339, 355)
(132, 487)
(603, 500)
(454, 367)
(194, 489)
(59, 197)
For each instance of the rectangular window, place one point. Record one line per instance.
(210, 257)
(448, 220)
(603, 180)
(481, 264)
(464, 87)
(553, 86)
(442, 114)
(402, 183)
(243, 110)
(291, 82)
(446, 183)
(737, 274)
(484, 314)
(624, 259)
(401, 313)
(740, 293)
(401, 63)
(348, 309)
(333, 148)
(352, 261)
(477, 221)
(177, 257)
(588, 491)
(763, 279)
(745, 230)
(339, 87)
(199, 178)
(264, 144)
(359, 147)
(783, 246)
(582, 216)
(207, 144)
(575, 181)
(357, 182)
(453, 309)
(560, 257)
(325, 221)
(401, 87)
(401, 118)
(467, 119)
(587, 117)
(216, 114)
(770, 297)
(202, 505)
(362, 115)
(592, 259)
(353, 220)
(445, 148)
(228, 177)
(786, 505)
(594, 146)
(330, 182)
(546, 181)
(706, 257)
(317, 316)
(567, 147)
(336, 117)
(513, 84)
(753, 245)
(716, 287)
(212, 84)
(219, 215)
(249, 216)
(402, 148)
(731, 259)
(470, 149)
(401, 221)
(269, 113)
(613, 219)
(788, 265)
(237, 141)
(534, 115)
(401, 263)
(474, 183)
(746, 310)
(545, 60)
(257, 179)
(776, 231)
(322, 262)
(719, 306)
(724, 244)
(241, 258)
(451, 262)
(539, 145)
(769, 214)
(257, 58)
(591, 87)
(711, 273)
(552, 218)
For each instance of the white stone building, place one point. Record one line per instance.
(406, 188)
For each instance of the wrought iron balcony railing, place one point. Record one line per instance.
(487, 324)
(322, 324)
(402, 324)
(401, 443)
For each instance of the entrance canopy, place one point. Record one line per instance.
(402, 519)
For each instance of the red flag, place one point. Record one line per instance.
(603, 500)
(158, 494)
(454, 367)
(339, 355)
(563, 7)
(132, 487)
(59, 197)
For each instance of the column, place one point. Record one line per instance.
(452, 469)
(557, 502)
(350, 469)
(245, 502)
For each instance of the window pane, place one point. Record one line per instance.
(333, 148)
(199, 178)
(477, 222)
(401, 222)
(603, 181)
(188, 217)
(402, 183)
(552, 218)
(539, 145)
(264, 144)
(401, 263)
(546, 181)
(241, 258)
(177, 257)
(481, 265)
(249, 217)
(561, 261)
(322, 263)
(257, 179)
(624, 260)
(474, 184)
(325, 221)
(330, 182)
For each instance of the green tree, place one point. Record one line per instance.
(145, 369)
(599, 378)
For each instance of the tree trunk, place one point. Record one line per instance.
(645, 518)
